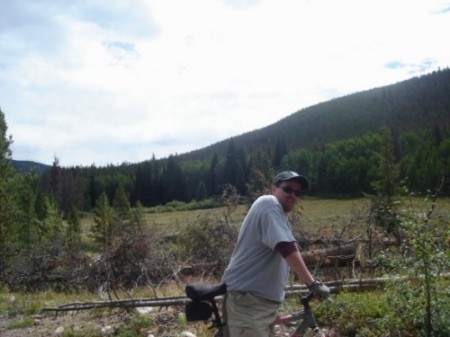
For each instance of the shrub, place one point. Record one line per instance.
(421, 299)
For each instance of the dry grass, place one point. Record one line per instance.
(315, 214)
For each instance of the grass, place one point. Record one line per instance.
(356, 313)
(316, 213)
(17, 303)
(20, 323)
(351, 313)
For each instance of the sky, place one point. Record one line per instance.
(94, 82)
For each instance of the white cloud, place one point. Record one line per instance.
(98, 82)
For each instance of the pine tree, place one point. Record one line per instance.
(73, 229)
(383, 204)
(121, 204)
(260, 174)
(7, 192)
(234, 173)
(52, 225)
(56, 188)
(173, 182)
(201, 191)
(212, 182)
(104, 227)
(137, 220)
(388, 183)
(27, 220)
(122, 210)
(280, 151)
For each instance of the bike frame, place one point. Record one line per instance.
(306, 316)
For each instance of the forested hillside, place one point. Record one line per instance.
(421, 102)
(347, 146)
(340, 145)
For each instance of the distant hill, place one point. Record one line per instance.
(420, 102)
(26, 166)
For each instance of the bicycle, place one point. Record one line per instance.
(202, 306)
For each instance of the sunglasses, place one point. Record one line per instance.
(290, 190)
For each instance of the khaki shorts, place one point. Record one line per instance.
(247, 315)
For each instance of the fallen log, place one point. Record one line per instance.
(352, 285)
(181, 300)
(332, 256)
(129, 303)
(336, 255)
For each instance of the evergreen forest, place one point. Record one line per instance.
(338, 145)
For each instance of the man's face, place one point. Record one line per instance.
(287, 194)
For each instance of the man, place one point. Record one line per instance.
(259, 267)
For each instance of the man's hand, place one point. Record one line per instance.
(319, 289)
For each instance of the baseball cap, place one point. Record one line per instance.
(291, 175)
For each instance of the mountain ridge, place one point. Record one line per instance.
(28, 165)
(422, 101)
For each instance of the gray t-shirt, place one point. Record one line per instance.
(255, 265)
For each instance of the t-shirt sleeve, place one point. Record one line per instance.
(275, 228)
(286, 248)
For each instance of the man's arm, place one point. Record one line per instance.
(297, 264)
(293, 257)
(290, 252)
